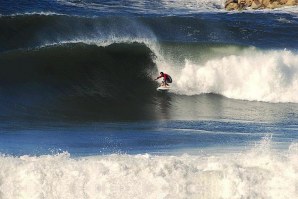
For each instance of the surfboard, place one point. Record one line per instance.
(163, 88)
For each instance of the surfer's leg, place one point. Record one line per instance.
(166, 83)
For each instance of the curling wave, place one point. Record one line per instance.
(78, 77)
(71, 65)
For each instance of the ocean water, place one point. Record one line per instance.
(80, 116)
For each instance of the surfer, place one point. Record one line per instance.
(166, 79)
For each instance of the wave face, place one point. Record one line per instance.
(133, 176)
(74, 76)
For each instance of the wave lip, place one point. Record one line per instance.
(44, 29)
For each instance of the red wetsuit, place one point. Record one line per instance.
(165, 77)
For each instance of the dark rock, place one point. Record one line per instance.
(258, 4)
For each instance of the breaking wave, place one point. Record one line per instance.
(270, 76)
(258, 173)
(69, 65)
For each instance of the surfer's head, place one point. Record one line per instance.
(161, 73)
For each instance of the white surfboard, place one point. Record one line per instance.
(164, 88)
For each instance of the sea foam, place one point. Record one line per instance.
(257, 173)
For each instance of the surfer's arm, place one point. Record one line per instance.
(158, 77)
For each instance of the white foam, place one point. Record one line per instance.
(101, 42)
(158, 6)
(270, 76)
(34, 13)
(257, 173)
(194, 5)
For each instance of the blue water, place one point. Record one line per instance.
(80, 122)
(80, 116)
(164, 137)
(182, 128)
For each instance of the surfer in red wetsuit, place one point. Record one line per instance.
(166, 79)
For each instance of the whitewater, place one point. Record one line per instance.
(80, 116)
(126, 176)
(262, 76)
